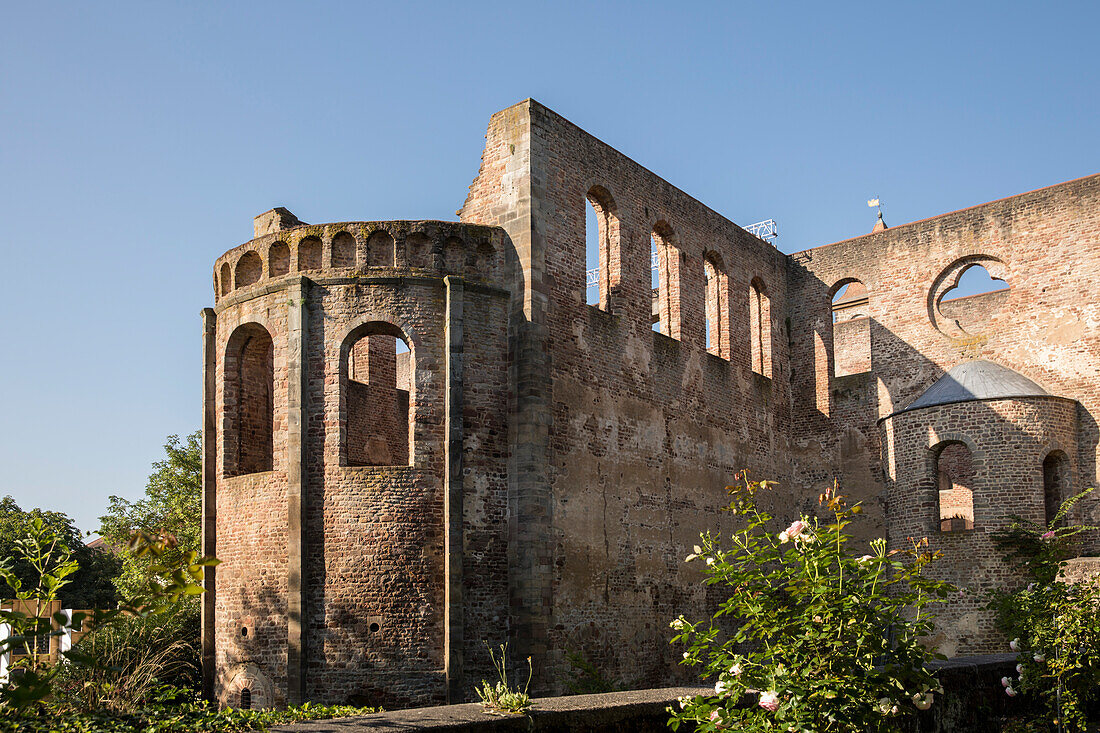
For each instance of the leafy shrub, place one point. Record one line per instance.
(1055, 626)
(501, 696)
(823, 640)
(167, 710)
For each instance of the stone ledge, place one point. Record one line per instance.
(636, 710)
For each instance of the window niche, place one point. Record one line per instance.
(851, 328)
(1056, 485)
(760, 328)
(666, 245)
(248, 399)
(955, 486)
(378, 397)
(717, 306)
(601, 246)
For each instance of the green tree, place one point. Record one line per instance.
(91, 585)
(172, 505)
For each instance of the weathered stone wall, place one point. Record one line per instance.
(1043, 243)
(560, 459)
(638, 431)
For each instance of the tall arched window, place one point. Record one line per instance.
(1056, 484)
(248, 401)
(309, 254)
(717, 305)
(955, 483)
(821, 375)
(851, 328)
(665, 243)
(760, 328)
(601, 248)
(378, 396)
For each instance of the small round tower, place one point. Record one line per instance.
(981, 445)
(355, 399)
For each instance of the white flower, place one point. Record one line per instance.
(883, 705)
(1039, 658)
(736, 670)
(784, 538)
(866, 558)
(1006, 682)
(687, 655)
(769, 701)
(683, 701)
(697, 550)
(1019, 669)
(721, 687)
(710, 561)
(677, 623)
(1010, 692)
(923, 701)
(690, 557)
(1014, 645)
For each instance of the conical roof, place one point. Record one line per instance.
(976, 380)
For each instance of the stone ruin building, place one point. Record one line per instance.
(420, 437)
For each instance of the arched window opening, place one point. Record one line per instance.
(851, 329)
(955, 483)
(248, 399)
(249, 269)
(760, 328)
(717, 306)
(343, 250)
(226, 278)
(655, 284)
(246, 699)
(278, 259)
(665, 243)
(380, 249)
(309, 254)
(378, 396)
(968, 297)
(1056, 485)
(601, 248)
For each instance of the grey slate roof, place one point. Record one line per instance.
(976, 380)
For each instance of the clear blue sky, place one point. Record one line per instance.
(137, 141)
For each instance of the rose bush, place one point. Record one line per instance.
(811, 638)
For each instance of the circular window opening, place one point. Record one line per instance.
(244, 631)
(374, 627)
(968, 295)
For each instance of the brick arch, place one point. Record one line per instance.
(948, 280)
(248, 409)
(250, 677)
(669, 262)
(250, 268)
(226, 279)
(716, 304)
(609, 259)
(760, 327)
(1057, 467)
(955, 470)
(377, 396)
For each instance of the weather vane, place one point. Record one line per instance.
(875, 202)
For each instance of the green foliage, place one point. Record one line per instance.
(500, 696)
(585, 678)
(134, 656)
(166, 710)
(1055, 626)
(90, 585)
(172, 506)
(29, 620)
(165, 586)
(822, 640)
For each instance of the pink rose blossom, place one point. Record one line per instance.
(769, 701)
(1048, 535)
(1010, 692)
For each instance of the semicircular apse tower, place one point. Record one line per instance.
(355, 397)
